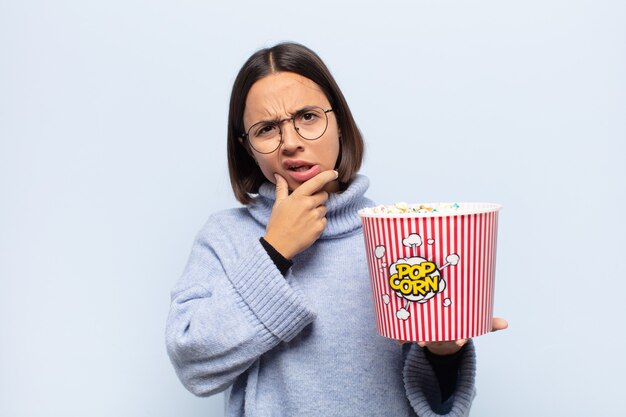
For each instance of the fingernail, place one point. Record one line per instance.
(336, 174)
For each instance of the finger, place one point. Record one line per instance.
(460, 342)
(282, 188)
(319, 198)
(321, 211)
(422, 344)
(498, 323)
(316, 183)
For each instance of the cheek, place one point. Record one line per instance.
(331, 150)
(334, 135)
(268, 168)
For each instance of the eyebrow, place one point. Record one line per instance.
(277, 119)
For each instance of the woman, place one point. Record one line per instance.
(275, 301)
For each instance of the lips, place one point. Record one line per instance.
(301, 171)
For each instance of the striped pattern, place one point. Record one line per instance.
(464, 309)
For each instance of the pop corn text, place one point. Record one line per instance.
(415, 279)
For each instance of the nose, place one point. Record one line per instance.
(291, 139)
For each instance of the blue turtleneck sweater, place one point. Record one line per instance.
(304, 344)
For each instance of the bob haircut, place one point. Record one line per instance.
(245, 175)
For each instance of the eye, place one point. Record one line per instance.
(265, 130)
(309, 117)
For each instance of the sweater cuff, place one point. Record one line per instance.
(280, 307)
(422, 387)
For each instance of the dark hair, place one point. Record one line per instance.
(245, 175)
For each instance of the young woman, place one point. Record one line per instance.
(275, 303)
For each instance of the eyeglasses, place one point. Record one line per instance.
(267, 136)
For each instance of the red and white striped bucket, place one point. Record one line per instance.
(432, 274)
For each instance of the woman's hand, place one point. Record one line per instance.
(453, 346)
(298, 220)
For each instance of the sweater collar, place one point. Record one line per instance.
(341, 208)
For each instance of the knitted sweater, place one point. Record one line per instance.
(304, 344)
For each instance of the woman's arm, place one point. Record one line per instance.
(446, 369)
(439, 376)
(231, 305)
(423, 387)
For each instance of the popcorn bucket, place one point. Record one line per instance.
(432, 269)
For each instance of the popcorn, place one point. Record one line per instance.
(405, 208)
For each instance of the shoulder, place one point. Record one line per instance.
(231, 214)
(227, 219)
(230, 224)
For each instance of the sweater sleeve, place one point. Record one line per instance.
(422, 387)
(230, 306)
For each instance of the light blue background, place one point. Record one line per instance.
(112, 155)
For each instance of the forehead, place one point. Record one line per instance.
(280, 94)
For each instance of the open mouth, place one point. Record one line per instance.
(301, 171)
(299, 168)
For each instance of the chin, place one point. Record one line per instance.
(292, 187)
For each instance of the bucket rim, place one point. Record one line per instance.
(484, 209)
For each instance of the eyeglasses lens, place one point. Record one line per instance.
(310, 124)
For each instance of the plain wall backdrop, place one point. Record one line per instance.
(112, 155)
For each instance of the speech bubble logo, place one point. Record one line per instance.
(416, 279)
